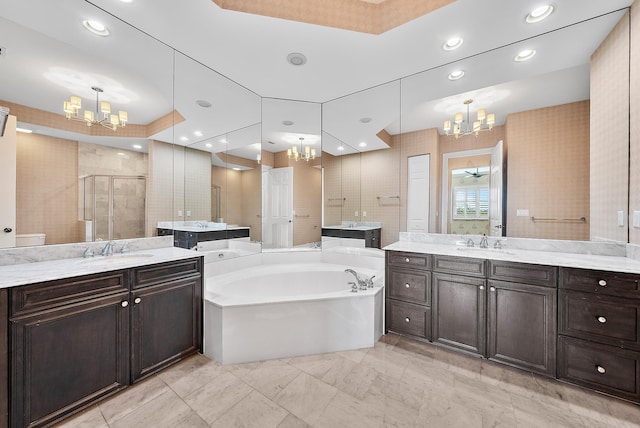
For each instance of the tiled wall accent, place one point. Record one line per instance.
(634, 179)
(233, 198)
(47, 188)
(610, 134)
(104, 160)
(548, 171)
(368, 16)
(160, 197)
(197, 185)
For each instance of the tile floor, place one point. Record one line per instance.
(398, 383)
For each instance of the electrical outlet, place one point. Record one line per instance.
(179, 213)
(620, 218)
(356, 214)
(188, 213)
(636, 219)
(364, 213)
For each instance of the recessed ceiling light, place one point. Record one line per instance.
(296, 58)
(137, 146)
(223, 141)
(287, 122)
(121, 154)
(455, 75)
(525, 55)
(340, 148)
(365, 119)
(96, 27)
(25, 130)
(539, 13)
(197, 133)
(126, 1)
(237, 169)
(362, 144)
(208, 145)
(203, 103)
(452, 43)
(184, 139)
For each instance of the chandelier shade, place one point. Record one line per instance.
(461, 127)
(307, 153)
(101, 116)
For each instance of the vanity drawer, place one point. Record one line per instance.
(410, 286)
(604, 282)
(155, 274)
(524, 273)
(601, 367)
(51, 294)
(459, 265)
(612, 320)
(408, 318)
(410, 260)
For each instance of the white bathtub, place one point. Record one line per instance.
(284, 310)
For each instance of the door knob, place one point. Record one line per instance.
(8, 230)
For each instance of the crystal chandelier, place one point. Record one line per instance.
(309, 153)
(462, 127)
(103, 110)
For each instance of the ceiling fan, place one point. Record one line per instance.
(476, 174)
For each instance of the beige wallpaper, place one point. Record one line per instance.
(252, 202)
(610, 134)
(197, 184)
(634, 179)
(332, 202)
(161, 185)
(47, 188)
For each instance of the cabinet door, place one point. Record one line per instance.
(66, 358)
(459, 312)
(166, 325)
(521, 326)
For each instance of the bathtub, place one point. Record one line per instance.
(284, 310)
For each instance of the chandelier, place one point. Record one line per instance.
(293, 152)
(463, 127)
(101, 116)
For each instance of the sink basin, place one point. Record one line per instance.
(115, 259)
(486, 250)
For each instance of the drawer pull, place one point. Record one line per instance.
(137, 300)
(407, 285)
(124, 304)
(481, 287)
(601, 369)
(602, 283)
(492, 288)
(407, 260)
(602, 320)
(407, 319)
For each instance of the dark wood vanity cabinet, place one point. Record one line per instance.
(503, 311)
(371, 236)
(77, 340)
(599, 331)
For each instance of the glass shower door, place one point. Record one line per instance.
(129, 207)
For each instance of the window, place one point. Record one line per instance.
(471, 202)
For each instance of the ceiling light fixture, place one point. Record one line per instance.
(455, 75)
(362, 144)
(525, 55)
(309, 153)
(208, 145)
(287, 122)
(197, 133)
(340, 148)
(24, 130)
(452, 44)
(111, 121)
(203, 103)
(137, 146)
(365, 119)
(296, 58)
(484, 122)
(539, 13)
(96, 27)
(258, 158)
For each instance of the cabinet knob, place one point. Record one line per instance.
(492, 288)
(601, 369)
(602, 320)
(481, 287)
(407, 319)
(407, 285)
(137, 300)
(124, 304)
(602, 283)
(407, 259)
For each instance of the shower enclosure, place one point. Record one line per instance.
(114, 207)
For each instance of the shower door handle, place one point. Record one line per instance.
(8, 230)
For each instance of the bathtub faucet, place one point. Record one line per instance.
(362, 283)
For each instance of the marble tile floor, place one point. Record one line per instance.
(397, 383)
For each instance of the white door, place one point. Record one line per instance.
(418, 193)
(8, 185)
(278, 215)
(496, 227)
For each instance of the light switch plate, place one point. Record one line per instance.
(522, 213)
(636, 219)
(620, 218)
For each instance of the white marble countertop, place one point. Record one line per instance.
(29, 273)
(549, 258)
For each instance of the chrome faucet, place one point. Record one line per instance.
(125, 248)
(88, 252)
(108, 249)
(362, 283)
(470, 243)
(484, 242)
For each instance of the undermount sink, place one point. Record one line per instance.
(115, 259)
(490, 250)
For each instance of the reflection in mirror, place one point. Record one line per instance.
(361, 175)
(76, 182)
(291, 174)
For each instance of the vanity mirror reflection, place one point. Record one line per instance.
(550, 118)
